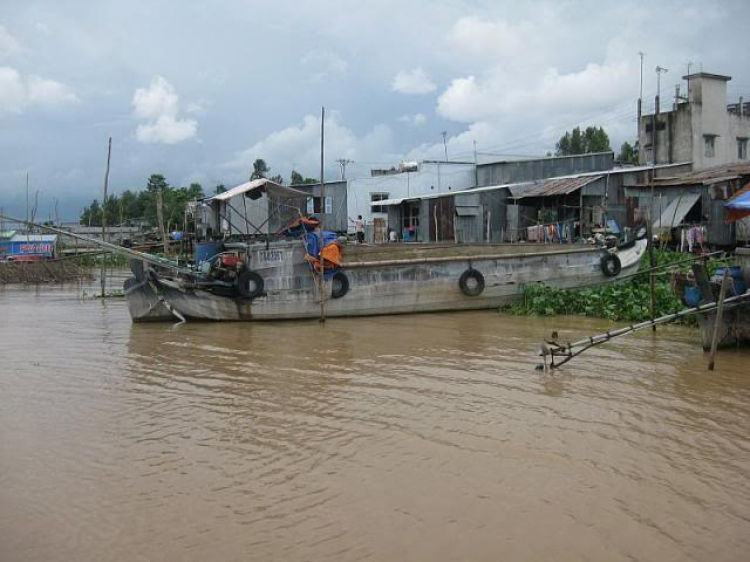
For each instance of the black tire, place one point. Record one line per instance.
(471, 283)
(339, 285)
(611, 265)
(250, 285)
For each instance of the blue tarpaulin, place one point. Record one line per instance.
(738, 206)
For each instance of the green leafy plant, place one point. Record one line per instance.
(627, 301)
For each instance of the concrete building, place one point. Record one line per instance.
(440, 178)
(701, 128)
(503, 213)
(532, 169)
(419, 178)
(693, 200)
(332, 211)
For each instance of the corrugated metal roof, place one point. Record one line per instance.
(704, 177)
(261, 184)
(558, 186)
(676, 211)
(50, 238)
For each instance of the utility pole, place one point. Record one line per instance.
(27, 201)
(641, 54)
(106, 187)
(343, 162)
(476, 169)
(445, 144)
(104, 217)
(689, 65)
(659, 70)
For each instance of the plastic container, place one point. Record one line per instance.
(692, 296)
(206, 250)
(735, 271)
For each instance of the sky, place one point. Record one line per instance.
(198, 90)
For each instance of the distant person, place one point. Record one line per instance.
(359, 229)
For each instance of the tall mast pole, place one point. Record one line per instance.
(322, 212)
(322, 164)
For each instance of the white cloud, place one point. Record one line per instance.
(413, 81)
(594, 88)
(160, 104)
(12, 91)
(497, 39)
(167, 130)
(17, 93)
(49, 93)
(9, 45)
(416, 120)
(298, 147)
(156, 100)
(324, 64)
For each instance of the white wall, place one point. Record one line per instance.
(712, 118)
(430, 178)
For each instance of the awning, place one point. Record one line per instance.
(676, 211)
(738, 206)
(260, 186)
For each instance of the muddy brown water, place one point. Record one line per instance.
(426, 437)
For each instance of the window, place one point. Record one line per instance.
(742, 149)
(378, 197)
(313, 205)
(709, 146)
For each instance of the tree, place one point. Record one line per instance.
(140, 206)
(260, 169)
(628, 154)
(593, 139)
(277, 179)
(156, 181)
(92, 215)
(297, 179)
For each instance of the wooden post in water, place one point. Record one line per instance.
(718, 319)
(160, 220)
(104, 219)
(650, 234)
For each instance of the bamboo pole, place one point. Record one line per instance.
(718, 320)
(160, 220)
(567, 350)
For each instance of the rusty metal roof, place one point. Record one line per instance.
(556, 186)
(708, 176)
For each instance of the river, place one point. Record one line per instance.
(419, 438)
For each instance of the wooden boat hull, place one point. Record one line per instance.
(423, 280)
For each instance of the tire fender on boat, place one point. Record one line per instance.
(475, 289)
(339, 285)
(611, 265)
(250, 284)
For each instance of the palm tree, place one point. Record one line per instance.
(260, 169)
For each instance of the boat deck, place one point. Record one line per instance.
(356, 253)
